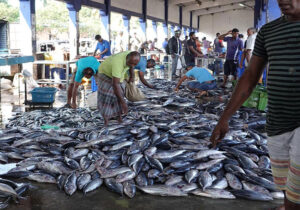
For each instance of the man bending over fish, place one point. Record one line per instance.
(111, 102)
(204, 81)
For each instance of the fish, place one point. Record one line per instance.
(161, 148)
(92, 185)
(129, 188)
(251, 195)
(162, 190)
(205, 180)
(214, 193)
(70, 186)
(83, 180)
(233, 181)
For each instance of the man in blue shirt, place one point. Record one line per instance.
(203, 80)
(234, 44)
(103, 46)
(85, 67)
(142, 65)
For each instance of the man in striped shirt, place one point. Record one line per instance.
(277, 43)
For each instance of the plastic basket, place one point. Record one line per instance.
(263, 101)
(43, 95)
(253, 100)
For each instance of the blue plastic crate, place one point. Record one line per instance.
(43, 95)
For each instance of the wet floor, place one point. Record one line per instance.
(48, 197)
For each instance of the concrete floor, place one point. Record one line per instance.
(48, 197)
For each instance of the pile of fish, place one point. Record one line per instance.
(161, 148)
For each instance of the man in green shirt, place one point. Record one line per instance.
(111, 102)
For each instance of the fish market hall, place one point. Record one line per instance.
(149, 104)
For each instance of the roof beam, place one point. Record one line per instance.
(216, 3)
(180, 1)
(221, 9)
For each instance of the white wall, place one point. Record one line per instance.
(173, 13)
(185, 18)
(131, 5)
(223, 22)
(156, 8)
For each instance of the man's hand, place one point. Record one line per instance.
(124, 108)
(219, 132)
(176, 89)
(131, 79)
(241, 65)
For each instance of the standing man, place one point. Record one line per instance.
(204, 81)
(153, 45)
(218, 44)
(218, 49)
(233, 44)
(85, 67)
(247, 53)
(191, 51)
(276, 43)
(111, 102)
(142, 66)
(174, 45)
(103, 46)
(206, 45)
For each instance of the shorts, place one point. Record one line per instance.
(230, 68)
(202, 86)
(284, 153)
(189, 60)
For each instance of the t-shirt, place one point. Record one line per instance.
(200, 74)
(165, 44)
(188, 52)
(142, 65)
(102, 46)
(232, 46)
(115, 66)
(83, 63)
(279, 43)
(218, 45)
(250, 43)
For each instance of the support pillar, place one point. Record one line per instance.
(73, 30)
(105, 20)
(126, 21)
(143, 26)
(154, 24)
(27, 24)
(166, 31)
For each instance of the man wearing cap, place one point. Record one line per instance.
(233, 44)
(174, 46)
(85, 67)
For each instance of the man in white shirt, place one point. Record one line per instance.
(249, 47)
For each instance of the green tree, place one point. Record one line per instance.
(89, 22)
(8, 13)
(53, 18)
